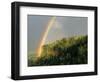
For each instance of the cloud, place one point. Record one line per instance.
(57, 25)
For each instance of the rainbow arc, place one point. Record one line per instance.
(42, 41)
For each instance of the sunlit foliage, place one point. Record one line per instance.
(66, 51)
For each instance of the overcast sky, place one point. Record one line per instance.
(63, 26)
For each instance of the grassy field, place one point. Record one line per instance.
(67, 51)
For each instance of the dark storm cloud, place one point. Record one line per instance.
(67, 26)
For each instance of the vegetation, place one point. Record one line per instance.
(66, 51)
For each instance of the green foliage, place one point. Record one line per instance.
(66, 51)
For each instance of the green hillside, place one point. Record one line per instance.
(66, 51)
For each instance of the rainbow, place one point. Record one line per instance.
(42, 41)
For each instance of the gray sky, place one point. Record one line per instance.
(63, 26)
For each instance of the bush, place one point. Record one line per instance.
(66, 51)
